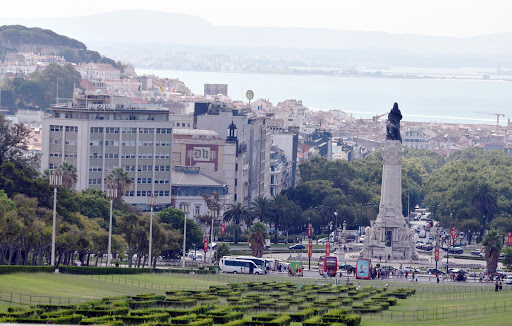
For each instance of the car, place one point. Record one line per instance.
(411, 269)
(434, 271)
(297, 247)
(476, 252)
(361, 238)
(346, 266)
(388, 268)
(323, 240)
(502, 255)
(457, 251)
(509, 279)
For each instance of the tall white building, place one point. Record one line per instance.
(97, 133)
(253, 143)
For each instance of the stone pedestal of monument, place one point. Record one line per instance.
(389, 235)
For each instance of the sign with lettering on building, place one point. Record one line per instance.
(201, 154)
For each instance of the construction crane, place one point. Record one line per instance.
(376, 120)
(497, 117)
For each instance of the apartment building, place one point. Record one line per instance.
(97, 132)
(252, 140)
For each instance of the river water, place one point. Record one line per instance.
(455, 100)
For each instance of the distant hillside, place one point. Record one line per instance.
(18, 38)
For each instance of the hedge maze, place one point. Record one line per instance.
(236, 304)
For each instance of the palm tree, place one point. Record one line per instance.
(261, 208)
(492, 243)
(328, 207)
(280, 211)
(484, 199)
(257, 236)
(120, 180)
(69, 175)
(236, 213)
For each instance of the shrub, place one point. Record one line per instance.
(202, 322)
(90, 270)
(7, 269)
(236, 323)
(303, 315)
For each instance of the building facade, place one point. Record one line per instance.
(97, 133)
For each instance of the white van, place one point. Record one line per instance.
(233, 265)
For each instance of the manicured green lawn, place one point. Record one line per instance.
(446, 298)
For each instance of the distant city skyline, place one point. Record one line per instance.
(459, 18)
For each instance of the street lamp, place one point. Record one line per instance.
(336, 226)
(151, 203)
(185, 207)
(55, 181)
(213, 214)
(111, 194)
(408, 203)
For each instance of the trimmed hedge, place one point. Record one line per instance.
(91, 270)
(7, 269)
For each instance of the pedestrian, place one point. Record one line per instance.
(429, 275)
(437, 277)
(380, 258)
(501, 286)
(406, 274)
(496, 286)
(389, 257)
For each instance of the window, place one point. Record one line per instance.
(111, 130)
(162, 155)
(56, 141)
(112, 155)
(55, 128)
(163, 143)
(146, 130)
(128, 155)
(145, 143)
(129, 167)
(95, 181)
(145, 155)
(71, 129)
(128, 143)
(163, 131)
(70, 155)
(53, 166)
(163, 193)
(129, 130)
(96, 143)
(197, 210)
(96, 130)
(162, 168)
(111, 143)
(56, 154)
(143, 193)
(95, 155)
(130, 193)
(145, 168)
(70, 142)
(144, 180)
(161, 180)
(95, 169)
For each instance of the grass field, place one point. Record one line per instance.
(451, 303)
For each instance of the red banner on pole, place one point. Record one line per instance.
(436, 254)
(454, 234)
(310, 226)
(310, 248)
(205, 244)
(222, 229)
(510, 238)
(327, 248)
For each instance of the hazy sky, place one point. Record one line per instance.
(432, 17)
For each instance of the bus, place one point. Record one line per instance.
(233, 265)
(328, 264)
(260, 262)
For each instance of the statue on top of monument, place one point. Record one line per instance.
(393, 125)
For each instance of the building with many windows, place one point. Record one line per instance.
(98, 132)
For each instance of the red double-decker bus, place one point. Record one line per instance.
(329, 264)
